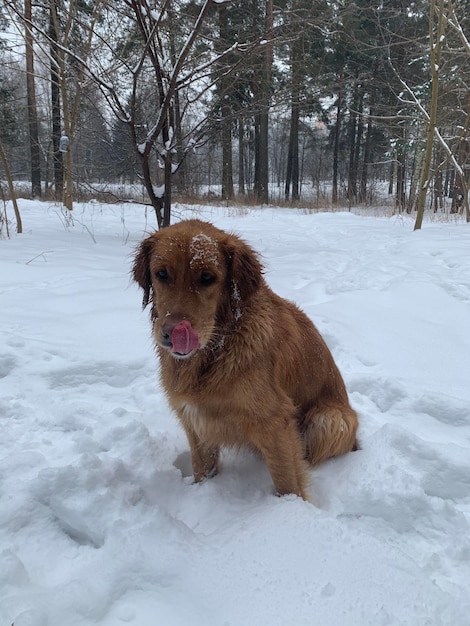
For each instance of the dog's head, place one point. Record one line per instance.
(198, 280)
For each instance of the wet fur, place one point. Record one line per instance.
(263, 376)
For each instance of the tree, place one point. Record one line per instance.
(456, 19)
(58, 29)
(300, 47)
(234, 103)
(436, 35)
(193, 82)
(11, 188)
(56, 113)
(34, 147)
(7, 134)
(150, 57)
(122, 156)
(71, 27)
(437, 121)
(168, 81)
(226, 115)
(263, 95)
(167, 64)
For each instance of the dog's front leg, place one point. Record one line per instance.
(282, 451)
(204, 457)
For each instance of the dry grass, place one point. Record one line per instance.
(316, 200)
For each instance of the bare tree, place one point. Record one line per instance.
(65, 28)
(263, 104)
(34, 148)
(463, 172)
(178, 69)
(4, 161)
(435, 53)
(226, 115)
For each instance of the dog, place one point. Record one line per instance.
(240, 365)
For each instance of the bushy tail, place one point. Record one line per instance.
(329, 431)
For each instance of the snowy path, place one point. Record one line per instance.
(99, 521)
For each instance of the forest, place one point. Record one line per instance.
(293, 102)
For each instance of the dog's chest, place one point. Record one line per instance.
(194, 417)
(210, 426)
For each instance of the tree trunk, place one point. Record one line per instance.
(391, 175)
(262, 191)
(68, 180)
(56, 119)
(352, 167)
(435, 43)
(262, 187)
(292, 173)
(339, 104)
(241, 157)
(367, 150)
(226, 114)
(359, 135)
(460, 184)
(180, 153)
(447, 193)
(227, 163)
(438, 186)
(34, 148)
(292, 170)
(415, 177)
(4, 160)
(167, 195)
(401, 178)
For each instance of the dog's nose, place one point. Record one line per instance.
(180, 337)
(166, 332)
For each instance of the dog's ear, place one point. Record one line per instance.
(245, 272)
(141, 269)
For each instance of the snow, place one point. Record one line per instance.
(99, 520)
(203, 249)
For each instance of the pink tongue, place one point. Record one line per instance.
(184, 338)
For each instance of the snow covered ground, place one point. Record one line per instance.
(99, 520)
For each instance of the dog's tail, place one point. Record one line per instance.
(329, 431)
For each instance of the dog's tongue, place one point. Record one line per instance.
(184, 338)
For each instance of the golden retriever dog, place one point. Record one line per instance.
(240, 365)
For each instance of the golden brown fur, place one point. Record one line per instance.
(252, 369)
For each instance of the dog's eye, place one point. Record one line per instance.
(162, 275)
(206, 278)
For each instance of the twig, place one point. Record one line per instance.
(38, 255)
